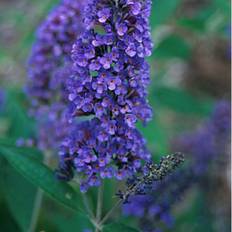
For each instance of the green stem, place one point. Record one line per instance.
(38, 200)
(108, 215)
(96, 225)
(98, 229)
(36, 210)
(110, 212)
(100, 202)
(90, 213)
(87, 207)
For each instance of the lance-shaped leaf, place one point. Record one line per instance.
(43, 177)
(19, 194)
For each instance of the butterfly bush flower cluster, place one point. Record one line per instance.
(49, 66)
(109, 85)
(110, 72)
(203, 146)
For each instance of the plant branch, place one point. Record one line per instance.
(89, 210)
(100, 202)
(110, 212)
(36, 210)
(156, 172)
(38, 200)
(87, 206)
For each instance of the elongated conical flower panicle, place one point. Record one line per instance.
(202, 148)
(110, 72)
(49, 67)
(52, 49)
(109, 81)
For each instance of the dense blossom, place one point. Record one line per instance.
(110, 74)
(49, 66)
(98, 158)
(203, 147)
(108, 83)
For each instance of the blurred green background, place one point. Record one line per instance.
(190, 70)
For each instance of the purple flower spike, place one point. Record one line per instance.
(48, 68)
(94, 150)
(118, 68)
(108, 83)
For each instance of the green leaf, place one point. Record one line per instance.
(20, 202)
(41, 176)
(181, 101)
(162, 11)
(173, 47)
(7, 223)
(29, 151)
(70, 223)
(116, 227)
